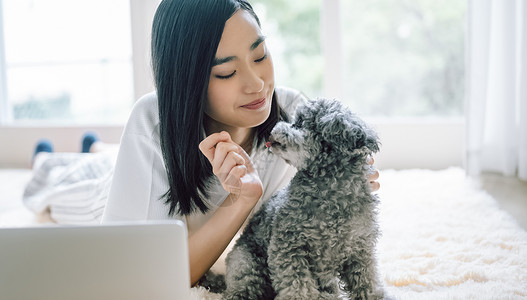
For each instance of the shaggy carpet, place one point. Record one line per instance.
(444, 238)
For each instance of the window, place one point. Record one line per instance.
(394, 58)
(71, 61)
(293, 37)
(67, 61)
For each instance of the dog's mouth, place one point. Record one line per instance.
(272, 143)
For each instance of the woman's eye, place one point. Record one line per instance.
(226, 76)
(261, 59)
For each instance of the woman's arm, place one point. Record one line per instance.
(234, 169)
(208, 243)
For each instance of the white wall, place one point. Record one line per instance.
(406, 143)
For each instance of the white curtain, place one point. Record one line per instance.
(496, 107)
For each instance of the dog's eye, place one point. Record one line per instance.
(326, 147)
(297, 125)
(276, 144)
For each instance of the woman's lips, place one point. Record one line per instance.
(256, 104)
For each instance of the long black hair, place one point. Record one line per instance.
(185, 37)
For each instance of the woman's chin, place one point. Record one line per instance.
(260, 118)
(255, 118)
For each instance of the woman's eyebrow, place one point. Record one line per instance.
(222, 60)
(257, 43)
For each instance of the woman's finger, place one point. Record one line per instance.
(232, 160)
(208, 145)
(221, 153)
(373, 176)
(248, 161)
(375, 185)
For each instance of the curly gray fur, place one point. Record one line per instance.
(319, 233)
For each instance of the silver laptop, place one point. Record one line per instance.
(119, 261)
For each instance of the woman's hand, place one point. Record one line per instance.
(373, 176)
(233, 167)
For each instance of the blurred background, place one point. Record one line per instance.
(71, 62)
(71, 65)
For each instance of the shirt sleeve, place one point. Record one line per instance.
(139, 180)
(289, 99)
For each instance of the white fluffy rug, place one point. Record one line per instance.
(444, 238)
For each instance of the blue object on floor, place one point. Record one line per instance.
(43, 145)
(88, 140)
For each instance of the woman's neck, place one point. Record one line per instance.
(241, 136)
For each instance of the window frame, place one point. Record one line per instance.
(5, 115)
(331, 34)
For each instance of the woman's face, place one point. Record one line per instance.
(242, 79)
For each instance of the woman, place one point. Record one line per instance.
(214, 91)
(194, 149)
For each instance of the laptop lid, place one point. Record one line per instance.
(118, 261)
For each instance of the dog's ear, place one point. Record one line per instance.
(372, 139)
(344, 130)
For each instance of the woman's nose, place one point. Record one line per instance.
(254, 83)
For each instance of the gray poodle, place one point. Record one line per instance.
(319, 232)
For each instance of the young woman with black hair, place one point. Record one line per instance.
(194, 149)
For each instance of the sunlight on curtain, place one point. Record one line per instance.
(497, 88)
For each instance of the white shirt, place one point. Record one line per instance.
(140, 178)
